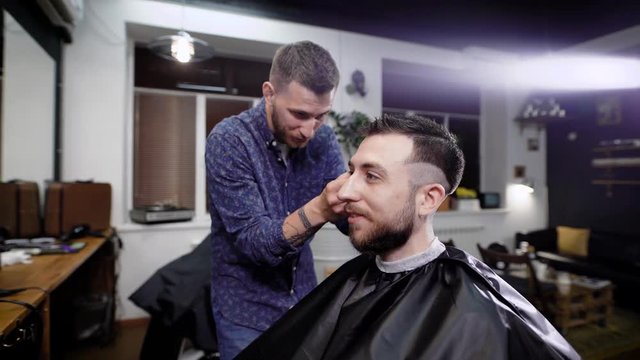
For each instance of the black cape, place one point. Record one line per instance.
(454, 307)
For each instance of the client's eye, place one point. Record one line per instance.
(372, 177)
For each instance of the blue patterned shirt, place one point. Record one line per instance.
(257, 275)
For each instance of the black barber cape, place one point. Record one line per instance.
(454, 307)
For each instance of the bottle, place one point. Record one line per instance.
(523, 249)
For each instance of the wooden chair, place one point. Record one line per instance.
(518, 272)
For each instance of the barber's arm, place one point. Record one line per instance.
(236, 196)
(308, 219)
(336, 167)
(326, 207)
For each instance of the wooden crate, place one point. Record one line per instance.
(582, 305)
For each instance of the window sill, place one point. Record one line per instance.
(193, 224)
(205, 222)
(453, 213)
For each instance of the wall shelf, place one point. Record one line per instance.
(614, 182)
(626, 159)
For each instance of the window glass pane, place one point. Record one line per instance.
(468, 133)
(164, 150)
(219, 109)
(467, 130)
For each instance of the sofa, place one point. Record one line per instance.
(592, 253)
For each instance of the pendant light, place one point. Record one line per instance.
(181, 47)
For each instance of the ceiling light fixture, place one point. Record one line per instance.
(181, 47)
(578, 73)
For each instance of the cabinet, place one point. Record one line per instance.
(618, 162)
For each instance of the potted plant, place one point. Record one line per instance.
(348, 129)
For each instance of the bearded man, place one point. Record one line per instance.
(408, 296)
(266, 174)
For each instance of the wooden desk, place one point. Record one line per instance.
(46, 272)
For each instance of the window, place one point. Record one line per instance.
(165, 146)
(170, 124)
(466, 128)
(443, 95)
(164, 150)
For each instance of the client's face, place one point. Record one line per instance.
(380, 201)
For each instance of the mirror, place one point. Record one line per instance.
(27, 122)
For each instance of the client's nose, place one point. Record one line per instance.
(348, 190)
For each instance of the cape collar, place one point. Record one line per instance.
(412, 262)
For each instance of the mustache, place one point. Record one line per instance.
(354, 209)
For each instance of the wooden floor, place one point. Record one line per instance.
(620, 340)
(126, 346)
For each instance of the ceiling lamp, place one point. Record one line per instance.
(181, 47)
(578, 73)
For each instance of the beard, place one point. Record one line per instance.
(387, 235)
(279, 132)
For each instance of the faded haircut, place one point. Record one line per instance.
(432, 144)
(307, 63)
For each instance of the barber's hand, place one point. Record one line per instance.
(334, 207)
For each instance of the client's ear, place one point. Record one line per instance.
(430, 196)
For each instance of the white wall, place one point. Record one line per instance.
(97, 102)
(504, 146)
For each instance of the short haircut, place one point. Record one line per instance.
(432, 144)
(307, 63)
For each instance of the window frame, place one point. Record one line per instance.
(446, 116)
(201, 213)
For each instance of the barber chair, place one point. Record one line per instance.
(177, 297)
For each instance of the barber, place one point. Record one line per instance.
(270, 177)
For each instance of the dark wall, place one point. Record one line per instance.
(420, 87)
(598, 121)
(35, 22)
(237, 76)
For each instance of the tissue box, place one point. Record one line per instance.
(467, 205)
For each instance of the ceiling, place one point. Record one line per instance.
(519, 26)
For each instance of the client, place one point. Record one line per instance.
(408, 296)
